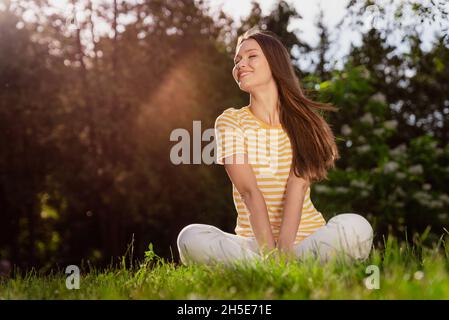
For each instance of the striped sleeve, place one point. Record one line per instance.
(229, 136)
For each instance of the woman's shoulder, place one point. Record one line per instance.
(233, 111)
(232, 114)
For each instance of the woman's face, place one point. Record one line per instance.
(251, 68)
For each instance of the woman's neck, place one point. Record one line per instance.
(264, 103)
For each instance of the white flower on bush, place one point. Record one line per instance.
(392, 197)
(426, 200)
(379, 97)
(390, 166)
(390, 124)
(358, 184)
(436, 204)
(398, 204)
(367, 118)
(400, 191)
(361, 139)
(364, 194)
(365, 73)
(422, 197)
(444, 197)
(416, 169)
(375, 170)
(341, 190)
(399, 150)
(400, 175)
(363, 149)
(379, 131)
(426, 186)
(345, 130)
(322, 189)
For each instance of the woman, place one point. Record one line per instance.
(272, 150)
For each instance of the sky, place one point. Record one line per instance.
(333, 12)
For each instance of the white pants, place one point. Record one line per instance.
(347, 233)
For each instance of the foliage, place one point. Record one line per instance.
(399, 185)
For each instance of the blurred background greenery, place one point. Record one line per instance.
(86, 117)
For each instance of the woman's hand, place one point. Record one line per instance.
(280, 250)
(267, 249)
(285, 249)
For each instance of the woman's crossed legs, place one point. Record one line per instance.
(347, 233)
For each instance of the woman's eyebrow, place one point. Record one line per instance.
(245, 51)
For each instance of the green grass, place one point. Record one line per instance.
(407, 271)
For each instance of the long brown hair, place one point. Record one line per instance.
(313, 142)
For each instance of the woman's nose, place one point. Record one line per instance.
(240, 64)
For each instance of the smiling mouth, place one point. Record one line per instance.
(244, 74)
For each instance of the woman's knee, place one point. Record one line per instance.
(188, 241)
(356, 233)
(360, 226)
(201, 243)
(190, 232)
(197, 235)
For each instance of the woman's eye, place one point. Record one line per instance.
(239, 60)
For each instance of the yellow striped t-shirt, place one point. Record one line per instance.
(239, 131)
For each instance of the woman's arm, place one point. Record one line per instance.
(294, 200)
(242, 176)
(258, 217)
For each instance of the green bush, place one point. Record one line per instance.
(403, 186)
